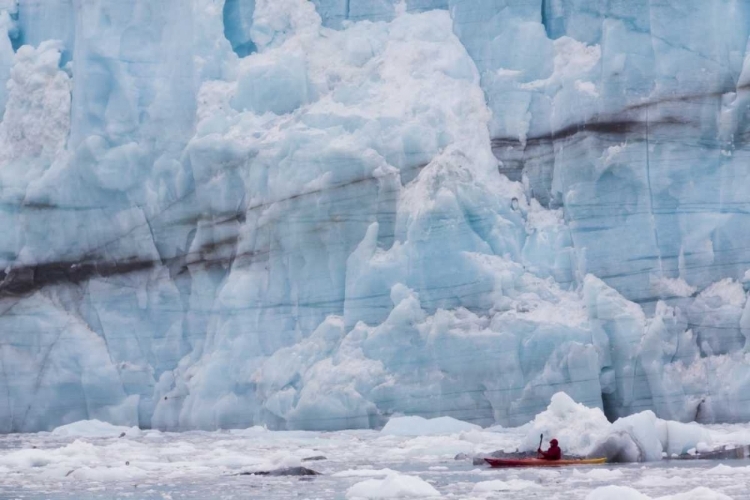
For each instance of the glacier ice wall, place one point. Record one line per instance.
(317, 214)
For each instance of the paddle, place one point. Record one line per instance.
(541, 438)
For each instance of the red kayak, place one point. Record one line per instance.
(538, 462)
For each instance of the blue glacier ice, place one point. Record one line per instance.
(319, 214)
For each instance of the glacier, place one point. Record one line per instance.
(319, 214)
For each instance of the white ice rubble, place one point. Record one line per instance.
(96, 460)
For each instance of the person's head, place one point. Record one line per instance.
(553, 442)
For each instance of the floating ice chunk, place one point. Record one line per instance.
(625, 493)
(95, 429)
(279, 460)
(698, 494)
(618, 446)
(678, 437)
(725, 470)
(618, 492)
(108, 474)
(598, 474)
(509, 485)
(393, 486)
(438, 446)
(419, 426)
(643, 438)
(251, 431)
(641, 428)
(364, 473)
(660, 482)
(26, 459)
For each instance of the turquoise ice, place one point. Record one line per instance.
(319, 214)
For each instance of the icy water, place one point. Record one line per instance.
(200, 465)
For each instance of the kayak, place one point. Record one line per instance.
(538, 462)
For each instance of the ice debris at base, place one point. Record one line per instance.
(197, 465)
(95, 429)
(316, 215)
(418, 426)
(641, 437)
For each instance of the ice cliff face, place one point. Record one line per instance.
(219, 213)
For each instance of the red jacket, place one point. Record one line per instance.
(554, 453)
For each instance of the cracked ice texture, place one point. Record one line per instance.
(226, 213)
(634, 118)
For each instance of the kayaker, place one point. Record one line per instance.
(553, 453)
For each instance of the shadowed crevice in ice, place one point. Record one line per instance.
(238, 20)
